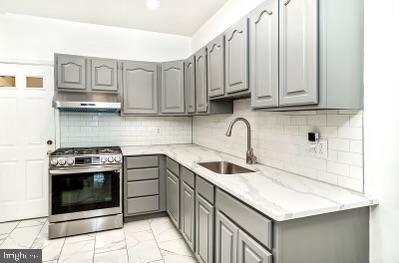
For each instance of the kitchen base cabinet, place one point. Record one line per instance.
(249, 251)
(226, 239)
(187, 213)
(172, 197)
(204, 214)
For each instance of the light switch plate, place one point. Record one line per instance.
(319, 149)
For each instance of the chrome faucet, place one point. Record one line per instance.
(250, 156)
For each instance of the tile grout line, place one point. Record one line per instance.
(156, 242)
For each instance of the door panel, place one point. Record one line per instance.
(187, 220)
(172, 197)
(204, 230)
(298, 52)
(140, 95)
(201, 82)
(27, 121)
(215, 52)
(71, 72)
(190, 84)
(104, 75)
(263, 57)
(172, 88)
(249, 251)
(236, 39)
(226, 239)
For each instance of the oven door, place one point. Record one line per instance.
(84, 192)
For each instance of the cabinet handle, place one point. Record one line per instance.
(270, 12)
(286, 3)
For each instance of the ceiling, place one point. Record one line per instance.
(182, 17)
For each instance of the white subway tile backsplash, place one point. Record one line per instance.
(280, 140)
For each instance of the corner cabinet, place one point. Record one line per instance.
(70, 72)
(298, 52)
(172, 87)
(201, 81)
(189, 81)
(263, 56)
(236, 44)
(140, 93)
(104, 75)
(215, 52)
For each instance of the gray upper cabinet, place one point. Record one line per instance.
(263, 56)
(226, 239)
(187, 213)
(215, 52)
(201, 81)
(140, 93)
(298, 52)
(204, 214)
(172, 197)
(71, 72)
(236, 39)
(172, 87)
(104, 75)
(189, 79)
(249, 251)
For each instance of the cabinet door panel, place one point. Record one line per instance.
(263, 57)
(187, 219)
(249, 251)
(204, 230)
(104, 75)
(236, 39)
(172, 88)
(201, 81)
(298, 52)
(215, 55)
(226, 239)
(140, 88)
(172, 197)
(71, 72)
(190, 84)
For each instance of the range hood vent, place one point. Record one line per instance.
(87, 102)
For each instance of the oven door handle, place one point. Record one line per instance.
(103, 168)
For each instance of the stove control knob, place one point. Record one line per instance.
(104, 159)
(70, 161)
(54, 161)
(117, 159)
(111, 159)
(61, 161)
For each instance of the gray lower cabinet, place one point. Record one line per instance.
(172, 197)
(187, 213)
(236, 44)
(249, 251)
(104, 75)
(298, 52)
(70, 72)
(215, 68)
(189, 74)
(201, 81)
(204, 228)
(226, 239)
(263, 55)
(172, 87)
(140, 92)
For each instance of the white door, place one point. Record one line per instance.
(26, 124)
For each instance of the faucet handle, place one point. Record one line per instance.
(251, 158)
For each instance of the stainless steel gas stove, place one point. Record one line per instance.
(85, 190)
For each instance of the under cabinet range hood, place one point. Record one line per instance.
(87, 102)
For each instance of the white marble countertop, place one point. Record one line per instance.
(278, 194)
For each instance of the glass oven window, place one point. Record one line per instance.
(86, 191)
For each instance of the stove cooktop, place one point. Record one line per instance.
(66, 152)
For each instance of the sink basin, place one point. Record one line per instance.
(225, 168)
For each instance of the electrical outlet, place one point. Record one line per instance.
(319, 149)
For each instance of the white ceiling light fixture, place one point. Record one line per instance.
(153, 4)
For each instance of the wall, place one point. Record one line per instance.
(226, 16)
(280, 140)
(102, 129)
(30, 38)
(381, 126)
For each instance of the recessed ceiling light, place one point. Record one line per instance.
(153, 4)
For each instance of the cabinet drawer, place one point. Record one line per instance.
(141, 188)
(254, 223)
(142, 174)
(172, 166)
(142, 204)
(187, 176)
(141, 162)
(205, 189)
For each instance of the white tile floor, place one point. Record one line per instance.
(152, 240)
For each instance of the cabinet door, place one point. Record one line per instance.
(190, 84)
(298, 52)
(249, 251)
(201, 81)
(172, 197)
(236, 39)
(226, 239)
(172, 87)
(215, 56)
(71, 72)
(263, 55)
(187, 219)
(140, 94)
(204, 230)
(104, 76)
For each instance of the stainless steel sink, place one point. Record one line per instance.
(225, 168)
